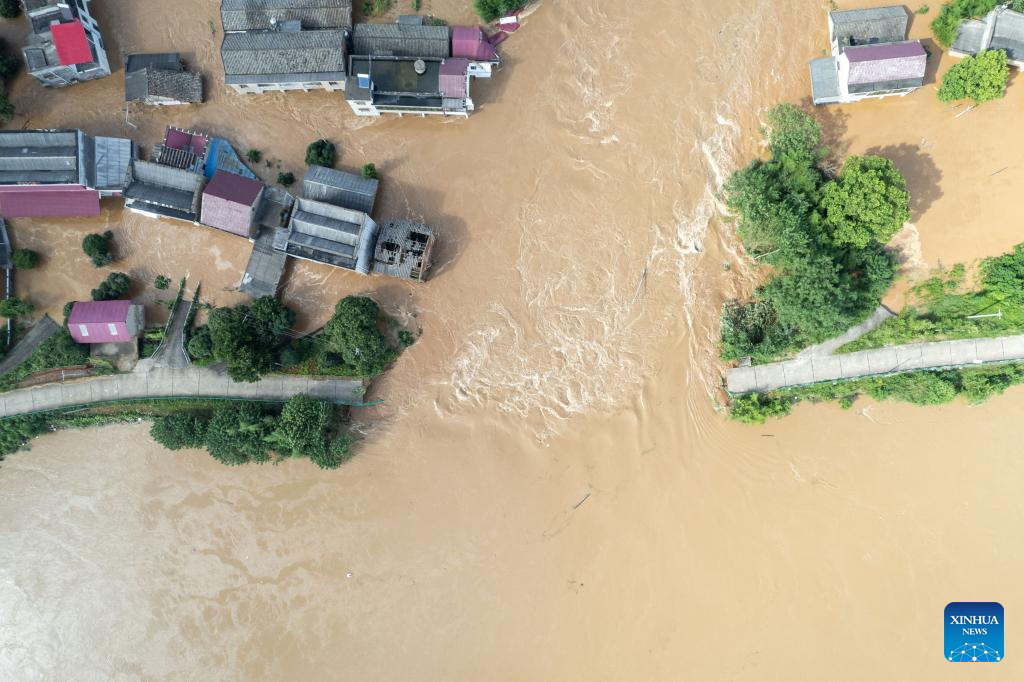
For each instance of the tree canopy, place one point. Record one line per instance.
(489, 10)
(97, 248)
(301, 429)
(981, 78)
(113, 288)
(320, 153)
(953, 13)
(179, 431)
(24, 259)
(352, 335)
(237, 433)
(867, 203)
(246, 338)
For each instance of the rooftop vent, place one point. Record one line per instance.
(420, 66)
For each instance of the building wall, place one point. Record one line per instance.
(229, 216)
(367, 108)
(260, 88)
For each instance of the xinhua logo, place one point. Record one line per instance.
(974, 632)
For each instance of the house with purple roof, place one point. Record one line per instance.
(93, 322)
(870, 57)
(231, 203)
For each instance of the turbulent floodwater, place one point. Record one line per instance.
(548, 491)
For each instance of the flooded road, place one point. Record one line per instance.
(548, 491)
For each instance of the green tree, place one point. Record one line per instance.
(1005, 274)
(301, 429)
(254, 155)
(370, 171)
(15, 307)
(286, 179)
(114, 288)
(337, 453)
(320, 153)
(6, 108)
(161, 282)
(794, 134)
(867, 203)
(247, 338)
(200, 346)
(97, 248)
(352, 334)
(757, 408)
(237, 432)
(9, 9)
(24, 259)
(981, 78)
(9, 64)
(489, 10)
(179, 431)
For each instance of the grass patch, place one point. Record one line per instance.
(58, 351)
(940, 309)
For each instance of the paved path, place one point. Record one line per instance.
(40, 332)
(829, 347)
(172, 351)
(179, 383)
(802, 371)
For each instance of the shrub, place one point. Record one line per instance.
(161, 282)
(918, 388)
(405, 338)
(24, 259)
(981, 78)
(416, 4)
(756, 408)
(370, 171)
(254, 155)
(9, 63)
(286, 179)
(97, 248)
(923, 9)
(179, 431)
(114, 287)
(489, 10)
(867, 203)
(15, 432)
(6, 108)
(320, 153)
(15, 307)
(352, 333)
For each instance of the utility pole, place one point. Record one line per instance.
(978, 317)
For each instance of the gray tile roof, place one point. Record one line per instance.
(171, 61)
(331, 234)
(1009, 34)
(824, 81)
(257, 15)
(173, 188)
(151, 84)
(864, 26)
(276, 57)
(46, 156)
(401, 40)
(970, 37)
(347, 190)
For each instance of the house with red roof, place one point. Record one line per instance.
(106, 321)
(231, 203)
(65, 46)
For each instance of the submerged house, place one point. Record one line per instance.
(404, 249)
(161, 80)
(157, 190)
(65, 46)
(231, 203)
(870, 57)
(1001, 29)
(411, 68)
(270, 15)
(347, 190)
(59, 173)
(106, 321)
(256, 62)
(330, 234)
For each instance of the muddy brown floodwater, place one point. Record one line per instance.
(548, 491)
